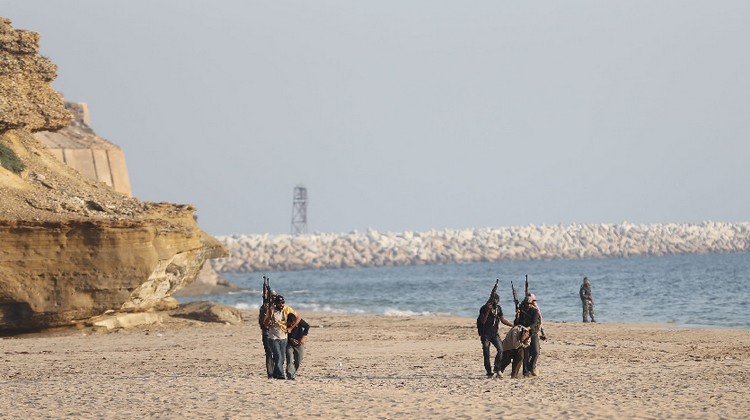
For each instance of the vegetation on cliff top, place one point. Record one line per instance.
(8, 159)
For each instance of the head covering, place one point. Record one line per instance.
(531, 300)
(586, 281)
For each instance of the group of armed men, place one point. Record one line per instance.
(520, 346)
(284, 333)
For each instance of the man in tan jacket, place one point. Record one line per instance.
(514, 343)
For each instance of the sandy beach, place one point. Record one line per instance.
(374, 367)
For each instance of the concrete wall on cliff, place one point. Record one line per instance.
(79, 147)
(73, 248)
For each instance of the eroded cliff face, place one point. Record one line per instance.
(71, 248)
(27, 99)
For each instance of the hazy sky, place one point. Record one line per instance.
(413, 115)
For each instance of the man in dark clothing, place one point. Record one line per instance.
(264, 331)
(295, 347)
(488, 327)
(529, 318)
(587, 300)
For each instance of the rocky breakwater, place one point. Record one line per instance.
(72, 248)
(259, 253)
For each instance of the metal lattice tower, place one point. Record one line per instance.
(299, 210)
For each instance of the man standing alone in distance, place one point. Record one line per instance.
(488, 327)
(587, 300)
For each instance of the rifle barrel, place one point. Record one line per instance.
(526, 289)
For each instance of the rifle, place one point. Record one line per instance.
(526, 289)
(515, 297)
(485, 311)
(265, 290)
(267, 293)
(494, 291)
(266, 305)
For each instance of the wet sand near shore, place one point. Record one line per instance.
(375, 367)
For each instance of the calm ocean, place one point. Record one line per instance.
(691, 290)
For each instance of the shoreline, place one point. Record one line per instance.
(397, 313)
(376, 366)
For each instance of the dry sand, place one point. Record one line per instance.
(375, 367)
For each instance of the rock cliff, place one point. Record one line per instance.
(72, 248)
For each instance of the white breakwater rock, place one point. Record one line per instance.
(257, 253)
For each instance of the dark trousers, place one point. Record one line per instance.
(269, 355)
(516, 355)
(531, 355)
(486, 342)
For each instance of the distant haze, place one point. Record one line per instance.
(413, 115)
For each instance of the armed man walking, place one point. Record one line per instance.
(529, 317)
(587, 300)
(276, 323)
(488, 327)
(268, 297)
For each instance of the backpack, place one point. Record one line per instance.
(481, 327)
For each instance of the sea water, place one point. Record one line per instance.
(690, 290)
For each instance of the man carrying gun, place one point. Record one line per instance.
(488, 328)
(278, 331)
(268, 297)
(530, 318)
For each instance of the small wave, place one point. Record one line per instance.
(317, 307)
(244, 292)
(398, 312)
(314, 307)
(299, 292)
(245, 306)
